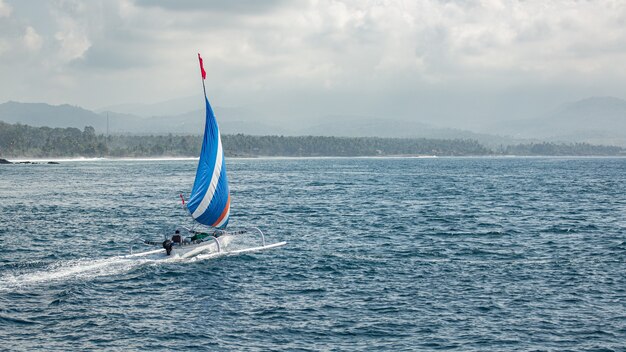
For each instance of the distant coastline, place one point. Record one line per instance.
(87, 160)
(26, 143)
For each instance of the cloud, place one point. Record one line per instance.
(32, 40)
(412, 58)
(238, 7)
(72, 31)
(5, 10)
(112, 57)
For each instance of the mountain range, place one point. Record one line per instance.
(596, 120)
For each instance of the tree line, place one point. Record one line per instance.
(561, 149)
(17, 140)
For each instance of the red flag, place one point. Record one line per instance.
(202, 67)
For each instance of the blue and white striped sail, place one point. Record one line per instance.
(209, 202)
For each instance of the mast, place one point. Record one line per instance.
(107, 139)
(203, 88)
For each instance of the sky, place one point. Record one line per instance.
(450, 63)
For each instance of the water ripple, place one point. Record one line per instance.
(467, 254)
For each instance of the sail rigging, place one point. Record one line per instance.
(209, 202)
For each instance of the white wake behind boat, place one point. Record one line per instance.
(209, 201)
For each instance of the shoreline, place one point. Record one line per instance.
(84, 159)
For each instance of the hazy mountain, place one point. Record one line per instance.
(597, 120)
(231, 120)
(344, 126)
(40, 114)
(364, 126)
(164, 108)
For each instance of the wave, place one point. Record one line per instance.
(67, 270)
(85, 269)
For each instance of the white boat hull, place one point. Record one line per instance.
(209, 249)
(190, 250)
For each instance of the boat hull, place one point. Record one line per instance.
(191, 250)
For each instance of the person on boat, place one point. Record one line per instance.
(177, 239)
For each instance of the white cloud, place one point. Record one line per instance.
(334, 52)
(72, 30)
(5, 9)
(4, 46)
(32, 40)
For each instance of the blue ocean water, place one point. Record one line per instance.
(466, 254)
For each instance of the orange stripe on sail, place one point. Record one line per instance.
(224, 212)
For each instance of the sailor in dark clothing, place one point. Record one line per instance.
(177, 238)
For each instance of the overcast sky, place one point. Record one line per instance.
(445, 62)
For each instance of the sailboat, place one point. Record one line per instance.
(209, 201)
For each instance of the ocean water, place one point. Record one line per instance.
(399, 254)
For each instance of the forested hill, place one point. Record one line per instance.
(45, 142)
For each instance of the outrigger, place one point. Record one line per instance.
(213, 242)
(209, 201)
